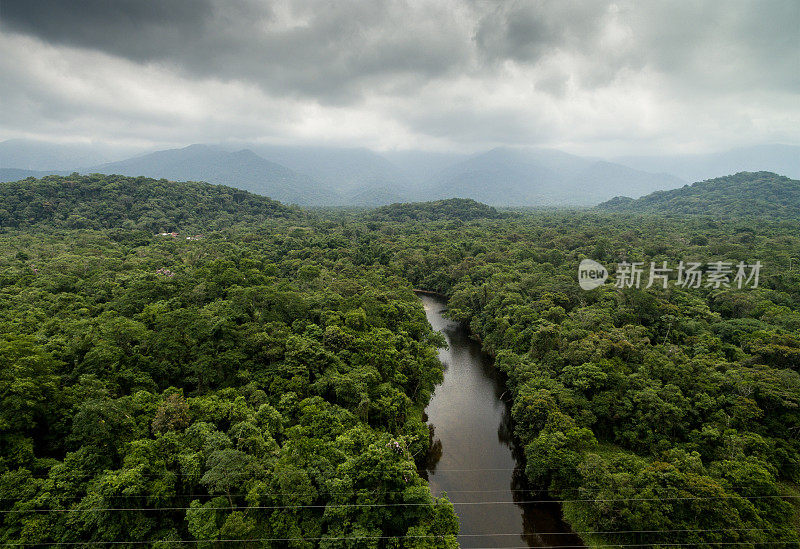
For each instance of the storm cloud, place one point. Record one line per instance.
(587, 76)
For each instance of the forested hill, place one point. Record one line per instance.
(464, 209)
(109, 201)
(741, 195)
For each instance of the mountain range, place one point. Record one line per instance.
(316, 176)
(531, 177)
(243, 169)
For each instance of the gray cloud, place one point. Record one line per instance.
(527, 31)
(142, 30)
(331, 51)
(456, 71)
(705, 43)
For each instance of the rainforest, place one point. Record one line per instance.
(193, 363)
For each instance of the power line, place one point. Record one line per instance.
(155, 474)
(362, 492)
(430, 536)
(664, 544)
(365, 491)
(373, 505)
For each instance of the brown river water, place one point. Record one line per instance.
(474, 459)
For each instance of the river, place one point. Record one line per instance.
(474, 459)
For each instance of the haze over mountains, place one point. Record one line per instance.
(782, 159)
(243, 169)
(542, 177)
(316, 176)
(29, 154)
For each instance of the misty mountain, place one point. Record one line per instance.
(295, 174)
(241, 169)
(541, 177)
(308, 175)
(744, 194)
(351, 172)
(784, 159)
(15, 174)
(49, 158)
(422, 165)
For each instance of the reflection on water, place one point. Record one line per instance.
(473, 458)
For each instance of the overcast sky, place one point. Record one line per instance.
(602, 78)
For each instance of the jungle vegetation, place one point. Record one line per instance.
(745, 194)
(464, 209)
(266, 381)
(119, 202)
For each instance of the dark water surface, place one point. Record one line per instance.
(477, 465)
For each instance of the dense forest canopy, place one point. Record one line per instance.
(746, 194)
(246, 388)
(267, 381)
(115, 201)
(464, 209)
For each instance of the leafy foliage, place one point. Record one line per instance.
(647, 410)
(259, 390)
(464, 209)
(745, 194)
(268, 380)
(114, 201)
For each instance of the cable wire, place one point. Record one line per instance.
(374, 505)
